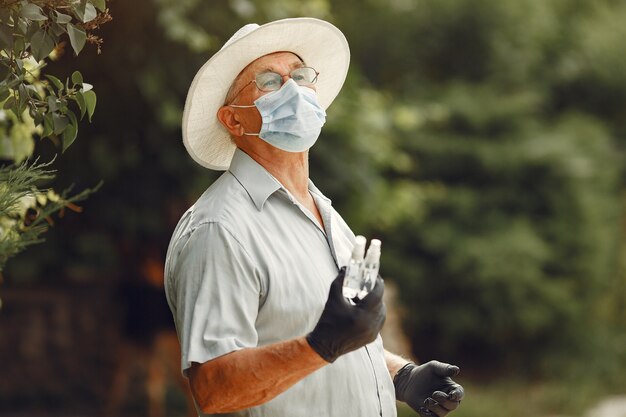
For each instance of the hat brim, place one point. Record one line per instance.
(320, 44)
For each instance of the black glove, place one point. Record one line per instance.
(428, 388)
(344, 327)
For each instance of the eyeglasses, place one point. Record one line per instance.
(272, 81)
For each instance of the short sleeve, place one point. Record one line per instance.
(213, 289)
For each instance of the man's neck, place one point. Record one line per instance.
(292, 171)
(289, 168)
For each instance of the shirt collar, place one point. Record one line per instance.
(314, 190)
(258, 183)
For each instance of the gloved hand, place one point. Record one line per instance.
(344, 327)
(428, 388)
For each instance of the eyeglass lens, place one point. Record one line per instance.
(271, 81)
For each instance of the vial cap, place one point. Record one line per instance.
(373, 252)
(359, 247)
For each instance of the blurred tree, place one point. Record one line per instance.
(508, 113)
(30, 33)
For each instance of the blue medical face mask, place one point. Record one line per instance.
(292, 117)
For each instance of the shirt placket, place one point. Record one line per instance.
(326, 212)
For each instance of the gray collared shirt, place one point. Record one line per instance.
(248, 266)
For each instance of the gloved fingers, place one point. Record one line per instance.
(336, 287)
(435, 408)
(444, 369)
(374, 297)
(456, 393)
(425, 412)
(444, 400)
(382, 316)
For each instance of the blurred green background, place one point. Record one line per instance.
(483, 141)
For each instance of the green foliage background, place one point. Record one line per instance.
(482, 141)
(33, 106)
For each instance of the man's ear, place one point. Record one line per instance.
(229, 118)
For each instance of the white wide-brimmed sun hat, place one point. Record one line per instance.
(320, 45)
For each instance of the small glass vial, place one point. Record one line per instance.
(352, 281)
(371, 265)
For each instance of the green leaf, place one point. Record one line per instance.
(4, 94)
(33, 92)
(10, 103)
(48, 125)
(15, 110)
(63, 105)
(77, 77)
(60, 122)
(72, 117)
(37, 117)
(70, 132)
(77, 37)
(90, 13)
(5, 14)
(57, 30)
(22, 98)
(79, 9)
(14, 80)
(52, 104)
(82, 105)
(18, 45)
(32, 29)
(41, 45)
(90, 100)
(33, 12)
(100, 4)
(57, 83)
(22, 26)
(63, 18)
(85, 11)
(6, 36)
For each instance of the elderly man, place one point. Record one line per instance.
(253, 273)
